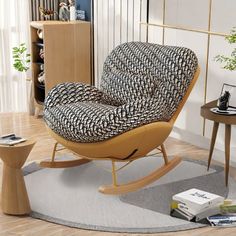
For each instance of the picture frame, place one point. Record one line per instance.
(232, 90)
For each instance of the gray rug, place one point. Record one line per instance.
(70, 196)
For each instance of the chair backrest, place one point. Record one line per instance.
(138, 70)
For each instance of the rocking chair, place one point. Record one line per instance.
(143, 88)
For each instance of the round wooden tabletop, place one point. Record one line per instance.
(219, 118)
(28, 142)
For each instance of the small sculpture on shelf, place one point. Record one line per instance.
(223, 101)
(47, 13)
(64, 12)
(40, 34)
(41, 77)
(72, 10)
(67, 10)
(41, 53)
(80, 15)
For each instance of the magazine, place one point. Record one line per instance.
(11, 139)
(222, 220)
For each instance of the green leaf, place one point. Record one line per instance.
(21, 58)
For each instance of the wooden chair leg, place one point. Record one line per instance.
(163, 150)
(54, 151)
(62, 164)
(114, 178)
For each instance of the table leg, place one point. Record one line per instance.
(227, 151)
(15, 199)
(213, 140)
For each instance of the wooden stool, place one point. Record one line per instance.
(15, 199)
(224, 119)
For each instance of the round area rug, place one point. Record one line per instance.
(70, 196)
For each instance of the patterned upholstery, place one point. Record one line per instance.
(141, 83)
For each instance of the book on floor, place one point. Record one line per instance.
(195, 200)
(11, 139)
(222, 220)
(186, 215)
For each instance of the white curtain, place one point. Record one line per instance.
(14, 29)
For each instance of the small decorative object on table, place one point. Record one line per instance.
(226, 104)
(223, 101)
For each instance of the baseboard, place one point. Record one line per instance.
(203, 142)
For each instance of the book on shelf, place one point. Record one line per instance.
(10, 139)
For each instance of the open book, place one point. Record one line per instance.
(10, 139)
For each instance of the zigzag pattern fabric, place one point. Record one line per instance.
(141, 83)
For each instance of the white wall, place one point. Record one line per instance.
(117, 21)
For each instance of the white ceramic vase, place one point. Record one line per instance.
(72, 13)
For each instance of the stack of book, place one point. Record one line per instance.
(195, 205)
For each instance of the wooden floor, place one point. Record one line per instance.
(27, 126)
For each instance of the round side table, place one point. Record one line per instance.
(15, 199)
(219, 118)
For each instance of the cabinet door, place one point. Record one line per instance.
(66, 53)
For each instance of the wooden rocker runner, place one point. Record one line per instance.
(125, 147)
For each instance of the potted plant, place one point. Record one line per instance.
(21, 62)
(229, 62)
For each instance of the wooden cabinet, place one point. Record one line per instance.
(65, 50)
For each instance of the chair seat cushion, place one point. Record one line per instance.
(93, 122)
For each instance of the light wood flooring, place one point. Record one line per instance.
(24, 125)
